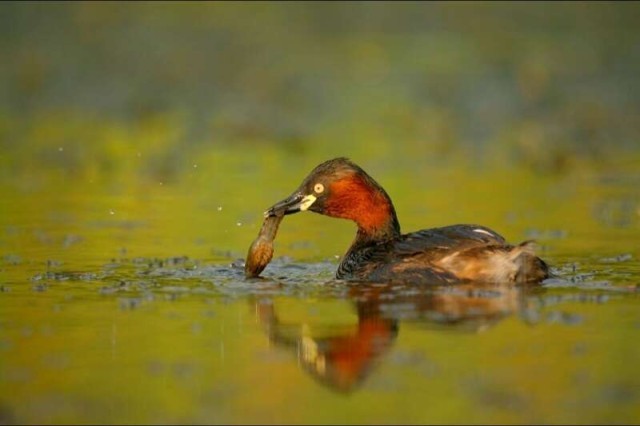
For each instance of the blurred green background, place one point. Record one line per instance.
(547, 86)
(229, 105)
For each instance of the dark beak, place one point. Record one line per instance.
(289, 205)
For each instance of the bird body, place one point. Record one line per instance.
(381, 253)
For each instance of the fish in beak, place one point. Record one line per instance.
(296, 202)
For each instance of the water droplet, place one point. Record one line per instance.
(60, 148)
(195, 166)
(111, 212)
(219, 208)
(239, 223)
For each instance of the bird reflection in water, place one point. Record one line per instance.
(343, 360)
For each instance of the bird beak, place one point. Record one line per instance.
(295, 203)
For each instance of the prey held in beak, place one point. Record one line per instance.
(295, 203)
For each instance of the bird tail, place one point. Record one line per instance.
(530, 268)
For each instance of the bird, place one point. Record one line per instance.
(451, 254)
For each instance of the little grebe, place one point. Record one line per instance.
(380, 253)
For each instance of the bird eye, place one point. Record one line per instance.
(318, 188)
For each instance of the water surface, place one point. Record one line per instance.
(127, 304)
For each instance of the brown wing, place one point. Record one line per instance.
(414, 257)
(448, 238)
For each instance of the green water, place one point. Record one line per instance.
(141, 142)
(128, 304)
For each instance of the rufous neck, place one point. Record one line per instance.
(361, 199)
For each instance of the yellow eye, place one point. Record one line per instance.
(318, 188)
